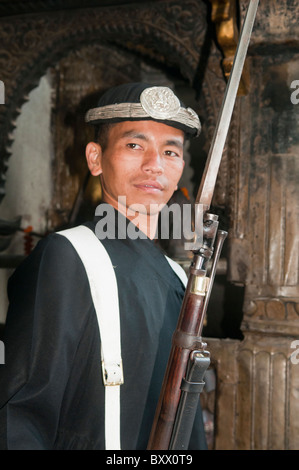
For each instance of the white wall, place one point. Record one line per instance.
(28, 186)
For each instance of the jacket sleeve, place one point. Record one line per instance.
(48, 295)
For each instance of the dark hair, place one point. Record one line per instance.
(101, 134)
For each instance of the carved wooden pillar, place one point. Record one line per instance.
(264, 256)
(257, 404)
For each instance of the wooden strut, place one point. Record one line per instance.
(166, 433)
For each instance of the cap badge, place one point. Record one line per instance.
(160, 102)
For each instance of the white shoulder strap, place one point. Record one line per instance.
(104, 294)
(178, 270)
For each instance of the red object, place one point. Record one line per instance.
(28, 239)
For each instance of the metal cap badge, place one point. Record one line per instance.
(160, 102)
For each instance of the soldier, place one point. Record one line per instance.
(52, 385)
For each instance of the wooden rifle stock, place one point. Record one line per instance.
(187, 336)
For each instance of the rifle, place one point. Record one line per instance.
(189, 359)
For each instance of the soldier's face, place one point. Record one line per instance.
(143, 161)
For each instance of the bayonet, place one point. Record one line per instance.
(208, 181)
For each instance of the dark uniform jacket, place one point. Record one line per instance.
(51, 390)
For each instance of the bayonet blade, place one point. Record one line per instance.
(208, 181)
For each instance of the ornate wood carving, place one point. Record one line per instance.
(256, 401)
(224, 15)
(264, 249)
(267, 185)
(277, 24)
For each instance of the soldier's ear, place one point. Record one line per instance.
(93, 155)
